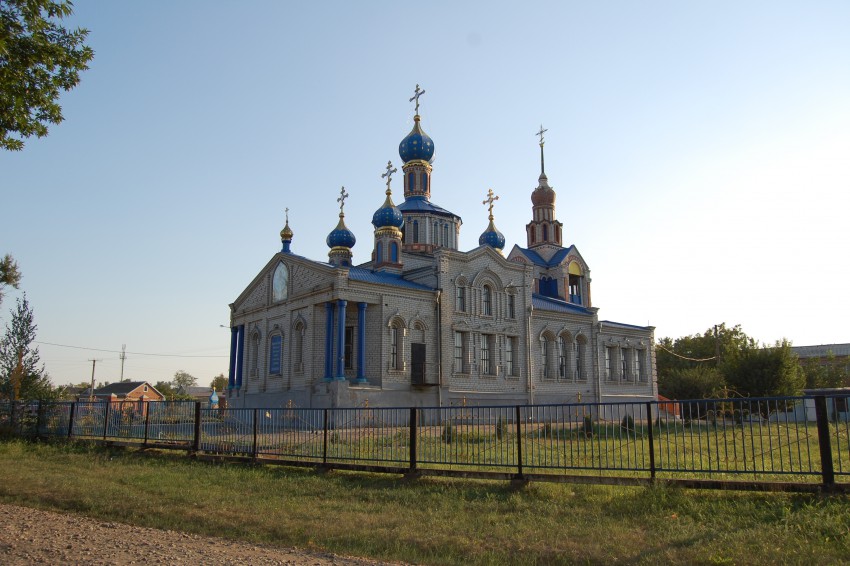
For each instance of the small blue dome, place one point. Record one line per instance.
(417, 144)
(341, 237)
(492, 237)
(214, 398)
(388, 215)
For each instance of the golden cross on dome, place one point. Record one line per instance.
(389, 173)
(287, 215)
(491, 198)
(341, 200)
(416, 94)
(540, 133)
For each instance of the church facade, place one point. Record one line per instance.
(423, 323)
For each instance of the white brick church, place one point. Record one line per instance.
(423, 323)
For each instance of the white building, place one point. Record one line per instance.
(426, 324)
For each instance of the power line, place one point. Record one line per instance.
(685, 357)
(122, 351)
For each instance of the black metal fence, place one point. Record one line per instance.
(788, 443)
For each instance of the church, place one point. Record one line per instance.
(424, 324)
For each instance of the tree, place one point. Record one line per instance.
(21, 376)
(166, 389)
(9, 274)
(38, 58)
(765, 371)
(219, 382)
(701, 382)
(183, 381)
(825, 373)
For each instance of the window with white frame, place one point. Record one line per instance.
(640, 372)
(548, 351)
(511, 305)
(610, 362)
(275, 354)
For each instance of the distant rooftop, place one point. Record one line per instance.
(839, 350)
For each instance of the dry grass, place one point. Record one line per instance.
(431, 521)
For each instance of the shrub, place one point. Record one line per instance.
(448, 433)
(588, 426)
(628, 423)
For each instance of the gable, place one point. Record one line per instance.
(304, 276)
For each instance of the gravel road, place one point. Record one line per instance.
(30, 536)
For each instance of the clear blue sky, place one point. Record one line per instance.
(700, 152)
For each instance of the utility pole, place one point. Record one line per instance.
(91, 391)
(716, 348)
(123, 357)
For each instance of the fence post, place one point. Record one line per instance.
(254, 447)
(649, 429)
(106, 419)
(38, 420)
(413, 425)
(325, 439)
(518, 442)
(196, 443)
(71, 420)
(824, 443)
(147, 407)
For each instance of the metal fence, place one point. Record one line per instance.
(792, 443)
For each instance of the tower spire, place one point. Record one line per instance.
(540, 133)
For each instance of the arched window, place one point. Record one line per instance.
(254, 355)
(487, 300)
(581, 346)
(396, 334)
(379, 256)
(275, 354)
(411, 181)
(393, 252)
(435, 233)
(511, 305)
(446, 241)
(280, 283)
(565, 345)
(298, 347)
(415, 231)
(460, 297)
(545, 232)
(424, 182)
(531, 234)
(557, 233)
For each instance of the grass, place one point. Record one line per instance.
(430, 520)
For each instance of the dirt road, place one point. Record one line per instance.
(29, 536)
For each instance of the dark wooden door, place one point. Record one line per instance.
(417, 362)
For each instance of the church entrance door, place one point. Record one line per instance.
(417, 363)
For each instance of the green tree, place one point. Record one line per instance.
(183, 381)
(829, 372)
(701, 382)
(9, 274)
(166, 389)
(38, 59)
(764, 371)
(21, 375)
(219, 382)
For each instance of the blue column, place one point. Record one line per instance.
(329, 341)
(340, 342)
(361, 342)
(240, 350)
(231, 374)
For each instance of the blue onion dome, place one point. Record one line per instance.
(214, 397)
(388, 215)
(341, 237)
(492, 237)
(417, 144)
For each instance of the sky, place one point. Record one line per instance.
(700, 152)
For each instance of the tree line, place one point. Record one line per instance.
(725, 362)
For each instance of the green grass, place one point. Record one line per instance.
(430, 520)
